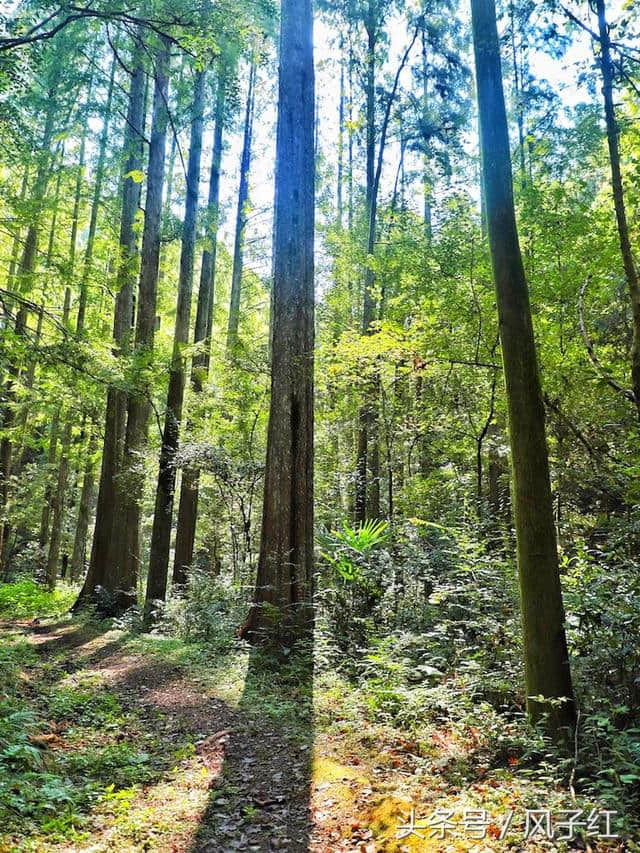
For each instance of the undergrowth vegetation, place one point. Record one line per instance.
(417, 665)
(28, 599)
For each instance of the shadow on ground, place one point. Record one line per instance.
(260, 799)
(205, 776)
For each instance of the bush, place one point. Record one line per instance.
(26, 599)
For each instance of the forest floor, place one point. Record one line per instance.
(127, 742)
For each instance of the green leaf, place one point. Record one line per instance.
(136, 176)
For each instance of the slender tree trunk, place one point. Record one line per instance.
(426, 173)
(60, 496)
(163, 513)
(126, 555)
(43, 537)
(95, 203)
(58, 508)
(26, 454)
(350, 139)
(99, 573)
(283, 605)
(366, 412)
(84, 510)
(171, 169)
(341, 106)
(518, 95)
(545, 648)
(241, 215)
(190, 482)
(628, 262)
(15, 245)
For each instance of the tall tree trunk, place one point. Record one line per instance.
(241, 215)
(630, 270)
(283, 604)
(114, 429)
(190, 482)
(545, 648)
(163, 513)
(60, 495)
(341, 111)
(126, 552)
(366, 412)
(427, 189)
(43, 537)
(95, 202)
(171, 170)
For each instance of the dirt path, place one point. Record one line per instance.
(219, 754)
(245, 784)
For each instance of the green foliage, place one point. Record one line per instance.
(347, 550)
(28, 599)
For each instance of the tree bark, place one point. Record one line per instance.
(190, 482)
(631, 273)
(126, 553)
(545, 649)
(283, 603)
(100, 569)
(163, 513)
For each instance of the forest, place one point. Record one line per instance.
(319, 425)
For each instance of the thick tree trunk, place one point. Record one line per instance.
(126, 554)
(99, 573)
(283, 605)
(163, 513)
(628, 262)
(241, 216)
(190, 482)
(545, 648)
